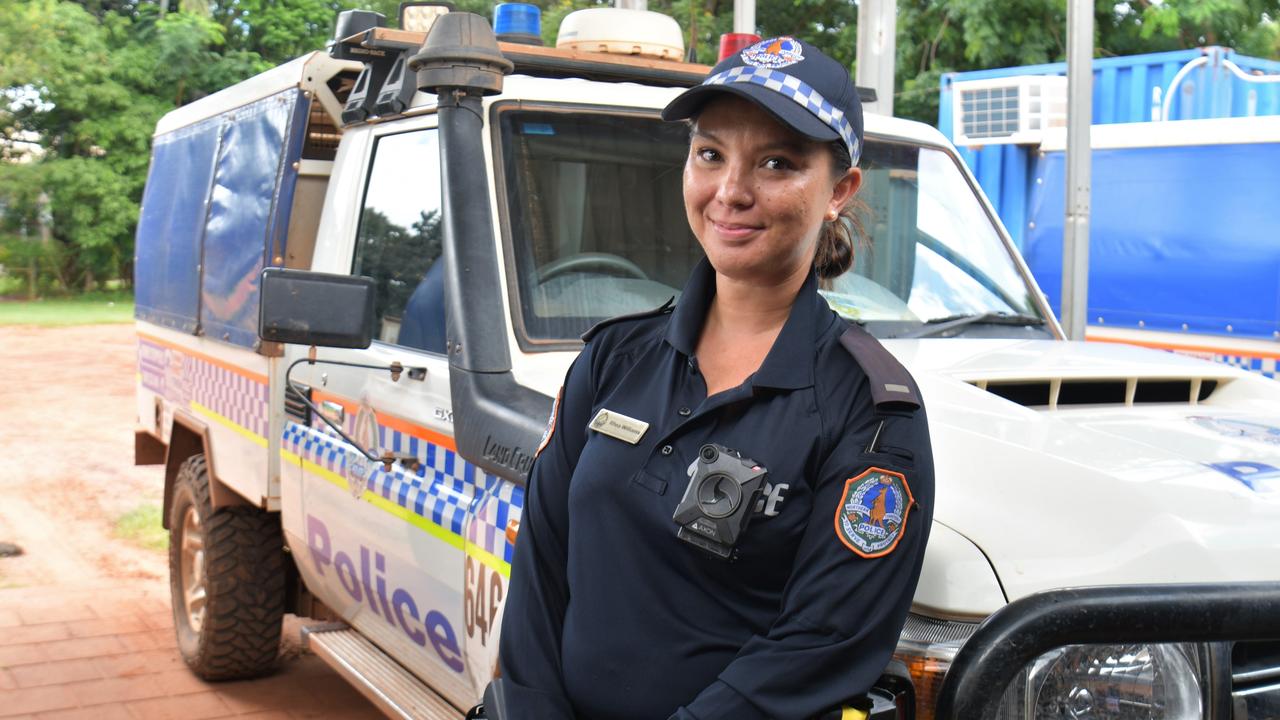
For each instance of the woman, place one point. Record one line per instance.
(634, 596)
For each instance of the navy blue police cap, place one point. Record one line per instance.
(794, 82)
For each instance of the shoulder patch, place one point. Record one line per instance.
(551, 424)
(892, 387)
(873, 510)
(664, 309)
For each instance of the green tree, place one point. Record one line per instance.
(939, 37)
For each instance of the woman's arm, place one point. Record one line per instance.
(842, 611)
(533, 620)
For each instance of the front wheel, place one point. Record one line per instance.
(226, 580)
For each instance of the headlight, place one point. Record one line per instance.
(1108, 682)
(1077, 682)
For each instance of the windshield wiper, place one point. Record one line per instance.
(938, 326)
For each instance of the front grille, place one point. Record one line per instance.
(1255, 681)
(921, 629)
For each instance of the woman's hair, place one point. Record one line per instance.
(840, 239)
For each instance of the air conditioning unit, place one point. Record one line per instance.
(1008, 110)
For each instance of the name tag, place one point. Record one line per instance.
(617, 425)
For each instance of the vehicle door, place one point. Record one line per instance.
(384, 539)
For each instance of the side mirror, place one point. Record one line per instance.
(310, 308)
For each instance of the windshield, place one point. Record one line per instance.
(598, 229)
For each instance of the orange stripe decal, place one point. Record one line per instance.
(229, 367)
(1237, 352)
(387, 420)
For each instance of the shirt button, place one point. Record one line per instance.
(684, 411)
(667, 449)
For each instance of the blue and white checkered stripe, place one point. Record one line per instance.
(443, 490)
(793, 88)
(489, 531)
(1263, 366)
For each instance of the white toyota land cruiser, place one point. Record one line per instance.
(444, 219)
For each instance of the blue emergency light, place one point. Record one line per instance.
(518, 23)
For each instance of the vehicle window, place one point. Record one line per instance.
(934, 252)
(398, 243)
(596, 216)
(598, 229)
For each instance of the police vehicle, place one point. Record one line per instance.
(362, 275)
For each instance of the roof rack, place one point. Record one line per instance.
(385, 52)
(546, 62)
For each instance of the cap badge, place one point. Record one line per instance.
(775, 53)
(873, 512)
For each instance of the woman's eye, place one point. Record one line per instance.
(708, 155)
(777, 163)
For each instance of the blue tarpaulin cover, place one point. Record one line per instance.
(167, 262)
(1179, 235)
(215, 212)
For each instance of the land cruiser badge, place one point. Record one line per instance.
(873, 512)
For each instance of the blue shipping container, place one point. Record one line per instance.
(1125, 89)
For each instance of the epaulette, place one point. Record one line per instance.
(665, 308)
(892, 387)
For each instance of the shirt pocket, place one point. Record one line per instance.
(648, 481)
(893, 457)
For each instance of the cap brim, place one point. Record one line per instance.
(787, 111)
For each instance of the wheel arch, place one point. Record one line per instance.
(189, 436)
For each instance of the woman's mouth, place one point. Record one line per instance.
(734, 231)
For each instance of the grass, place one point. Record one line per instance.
(89, 309)
(141, 526)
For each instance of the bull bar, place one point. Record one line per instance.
(1023, 630)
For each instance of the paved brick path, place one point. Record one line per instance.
(106, 651)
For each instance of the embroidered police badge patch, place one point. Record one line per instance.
(774, 53)
(873, 512)
(551, 424)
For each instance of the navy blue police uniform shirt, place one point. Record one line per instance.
(610, 616)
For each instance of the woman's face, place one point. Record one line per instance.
(756, 193)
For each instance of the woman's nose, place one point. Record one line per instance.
(734, 189)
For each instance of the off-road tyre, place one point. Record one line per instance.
(241, 570)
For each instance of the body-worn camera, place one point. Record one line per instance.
(717, 505)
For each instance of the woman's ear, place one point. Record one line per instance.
(844, 190)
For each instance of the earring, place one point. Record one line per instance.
(831, 216)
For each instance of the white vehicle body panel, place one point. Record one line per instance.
(1110, 494)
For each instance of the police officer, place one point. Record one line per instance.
(728, 514)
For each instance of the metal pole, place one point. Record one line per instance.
(1075, 241)
(877, 47)
(744, 16)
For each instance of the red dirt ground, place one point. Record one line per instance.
(85, 625)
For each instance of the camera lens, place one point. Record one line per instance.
(719, 495)
(709, 453)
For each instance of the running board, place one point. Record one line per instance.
(394, 690)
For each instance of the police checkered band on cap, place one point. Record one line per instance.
(795, 89)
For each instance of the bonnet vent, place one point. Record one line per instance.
(1056, 392)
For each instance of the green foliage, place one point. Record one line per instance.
(85, 82)
(939, 37)
(396, 256)
(142, 526)
(93, 308)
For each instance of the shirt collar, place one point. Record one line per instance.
(789, 363)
